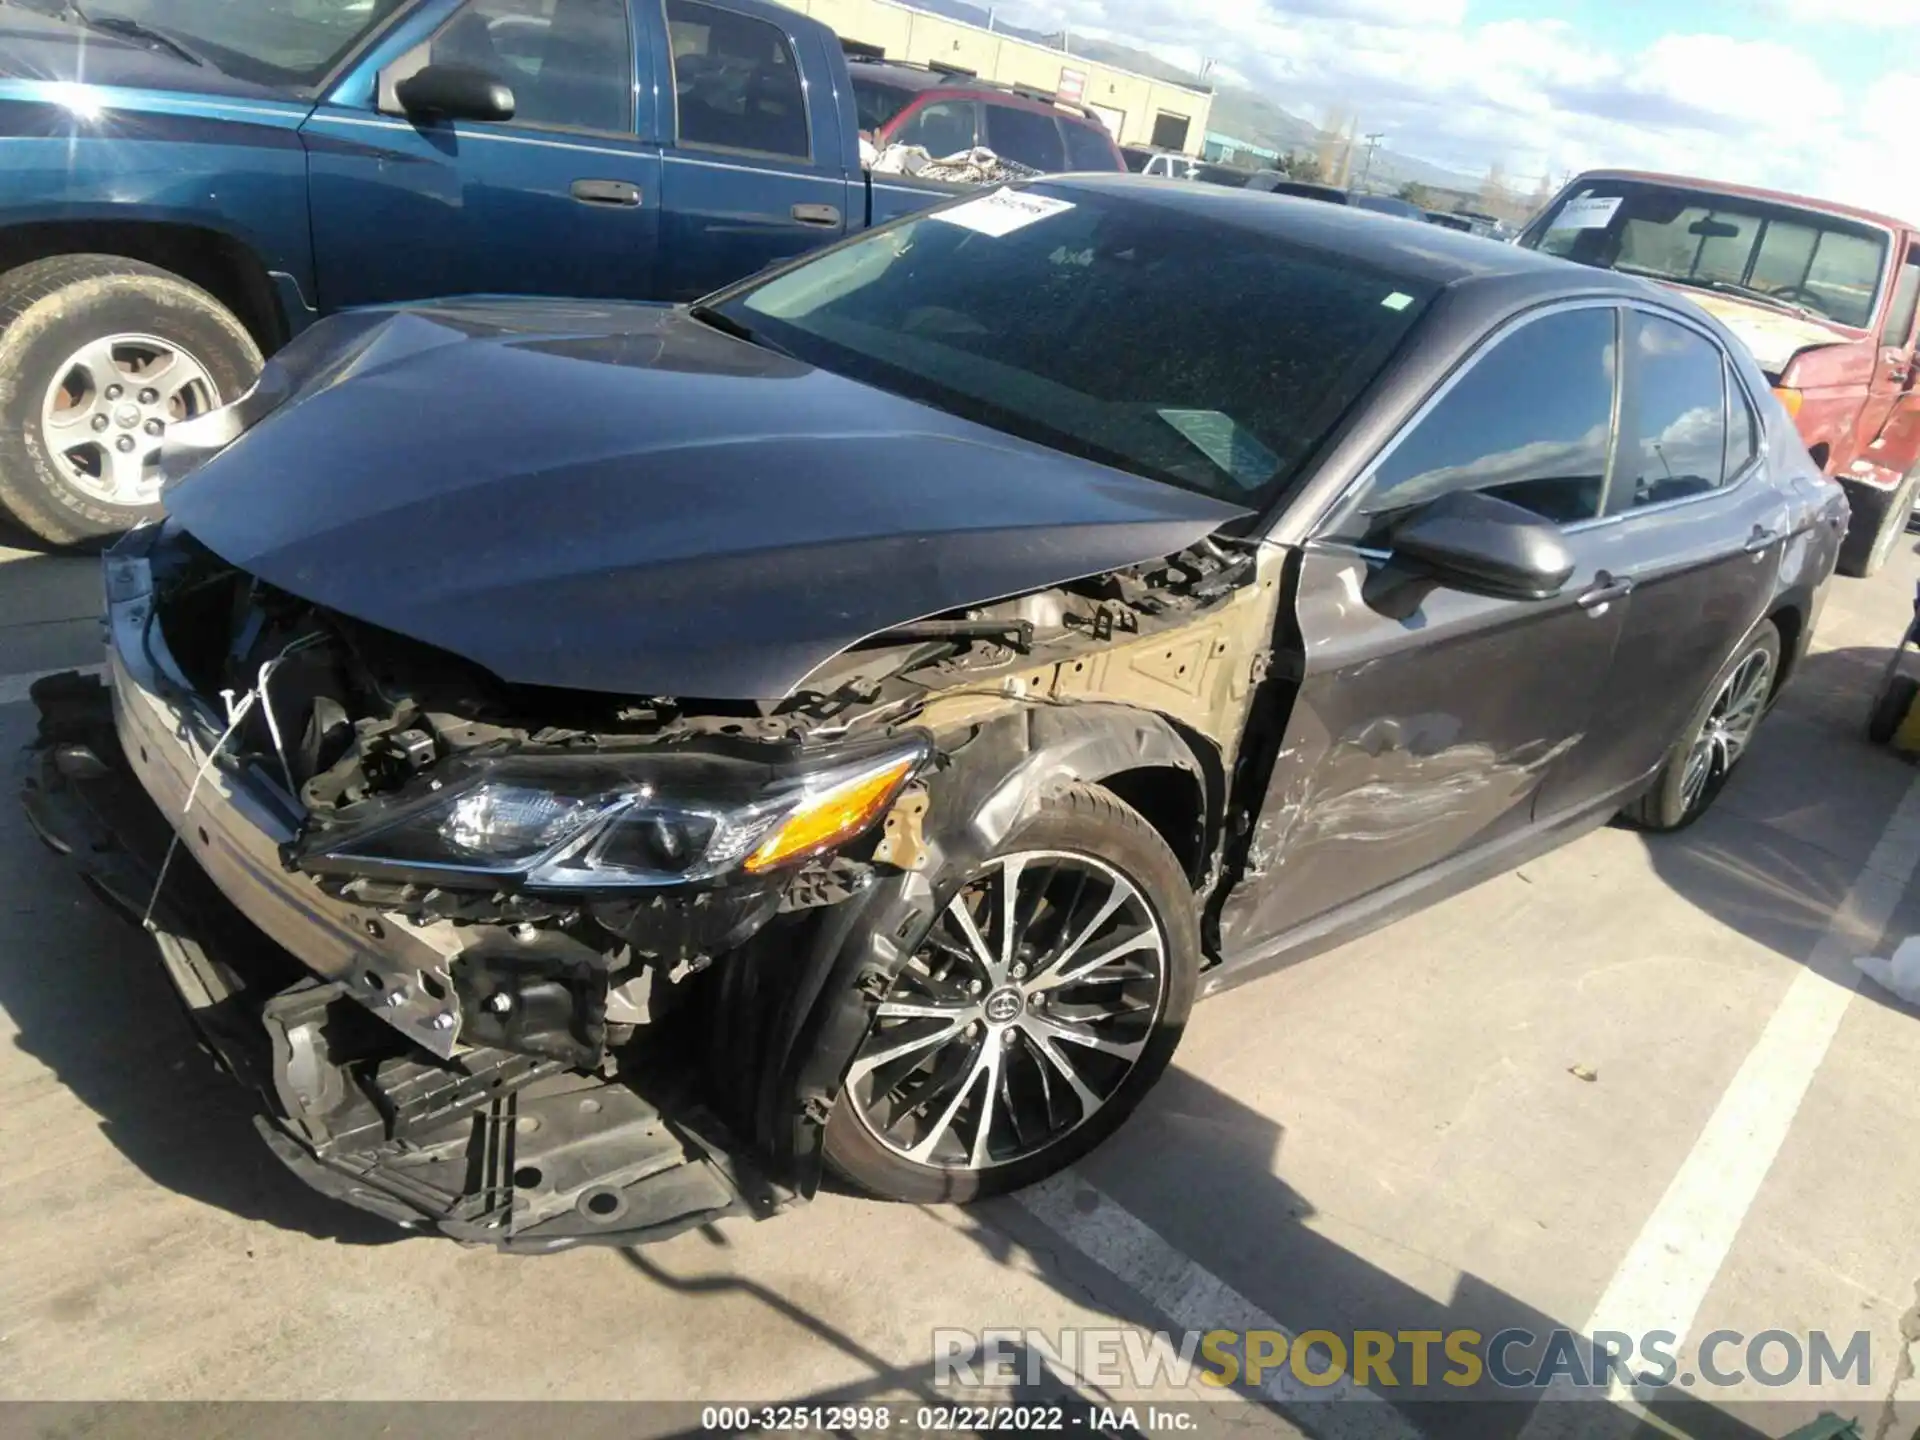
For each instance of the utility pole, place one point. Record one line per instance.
(1366, 165)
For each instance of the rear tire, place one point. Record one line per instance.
(75, 462)
(1681, 793)
(1045, 1123)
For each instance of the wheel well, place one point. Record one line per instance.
(1789, 622)
(1170, 800)
(1820, 453)
(217, 263)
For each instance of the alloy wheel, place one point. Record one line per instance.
(106, 414)
(1728, 729)
(1018, 1018)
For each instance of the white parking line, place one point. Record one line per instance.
(14, 688)
(1664, 1279)
(1194, 1298)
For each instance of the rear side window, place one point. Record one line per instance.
(1089, 147)
(735, 82)
(1025, 137)
(941, 128)
(877, 104)
(1675, 443)
(1743, 429)
(1529, 422)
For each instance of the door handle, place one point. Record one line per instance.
(1603, 592)
(816, 214)
(1761, 538)
(606, 192)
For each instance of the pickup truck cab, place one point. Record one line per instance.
(1822, 294)
(186, 184)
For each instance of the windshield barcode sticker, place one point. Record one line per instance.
(1003, 212)
(1589, 212)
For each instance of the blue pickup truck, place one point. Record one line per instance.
(186, 184)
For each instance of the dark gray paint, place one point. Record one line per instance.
(620, 499)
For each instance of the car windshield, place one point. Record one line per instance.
(1151, 337)
(271, 42)
(1777, 254)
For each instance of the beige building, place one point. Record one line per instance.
(1139, 110)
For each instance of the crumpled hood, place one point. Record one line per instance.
(1773, 336)
(621, 499)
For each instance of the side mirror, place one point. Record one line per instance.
(1469, 541)
(454, 92)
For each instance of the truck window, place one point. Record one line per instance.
(568, 62)
(1090, 148)
(1025, 137)
(1771, 252)
(943, 128)
(736, 83)
(1675, 443)
(876, 104)
(1898, 333)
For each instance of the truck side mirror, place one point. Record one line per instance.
(454, 92)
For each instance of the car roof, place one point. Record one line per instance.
(1410, 247)
(1750, 192)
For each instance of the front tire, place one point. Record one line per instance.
(1004, 1052)
(1716, 739)
(104, 355)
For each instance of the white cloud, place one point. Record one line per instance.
(1868, 14)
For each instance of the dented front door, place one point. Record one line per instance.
(1416, 734)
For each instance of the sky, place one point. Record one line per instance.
(1806, 95)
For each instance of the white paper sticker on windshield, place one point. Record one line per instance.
(1589, 212)
(1003, 212)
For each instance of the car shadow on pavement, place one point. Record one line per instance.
(88, 1000)
(1799, 822)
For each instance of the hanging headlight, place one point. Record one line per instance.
(592, 823)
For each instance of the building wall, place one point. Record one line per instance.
(1128, 102)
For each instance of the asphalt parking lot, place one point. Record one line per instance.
(1633, 1086)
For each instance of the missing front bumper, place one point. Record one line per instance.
(486, 1146)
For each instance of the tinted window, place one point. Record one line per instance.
(1743, 429)
(735, 82)
(1528, 422)
(568, 62)
(1899, 328)
(1089, 147)
(876, 104)
(1676, 429)
(1241, 349)
(1025, 137)
(942, 128)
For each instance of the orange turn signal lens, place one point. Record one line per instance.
(1789, 398)
(836, 813)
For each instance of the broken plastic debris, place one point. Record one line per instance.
(1583, 1072)
(1900, 974)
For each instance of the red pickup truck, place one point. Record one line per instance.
(1823, 294)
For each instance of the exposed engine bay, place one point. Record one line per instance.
(612, 952)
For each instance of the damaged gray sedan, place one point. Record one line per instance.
(590, 769)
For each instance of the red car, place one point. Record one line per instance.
(1822, 294)
(947, 110)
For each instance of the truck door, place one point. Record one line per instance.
(758, 163)
(1890, 425)
(563, 199)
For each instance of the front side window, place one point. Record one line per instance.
(941, 128)
(1242, 349)
(569, 63)
(270, 42)
(1898, 333)
(1675, 440)
(1792, 259)
(1528, 422)
(1026, 137)
(736, 84)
